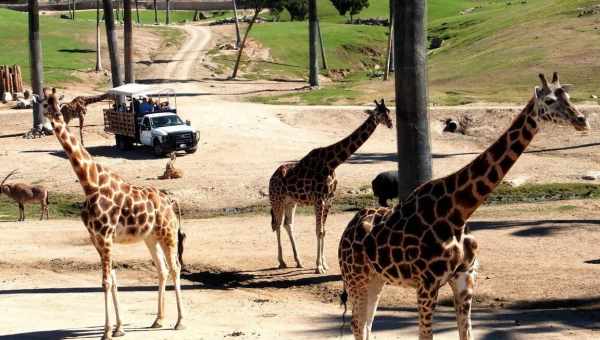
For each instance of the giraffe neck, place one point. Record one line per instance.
(474, 183)
(343, 149)
(83, 165)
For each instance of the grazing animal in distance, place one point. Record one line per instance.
(115, 211)
(385, 187)
(171, 172)
(312, 181)
(422, 242)
(25, 193)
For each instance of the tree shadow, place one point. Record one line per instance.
(157, 61)
(376, 157)
(596, 261)
(269, 278)
(108, 151)
(77, 50)
(534, 228)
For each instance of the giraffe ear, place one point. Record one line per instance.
(62, 96)
(538, 92)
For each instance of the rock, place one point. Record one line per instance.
(594, 96)
(591, 176)
(516, 181)
(436, 42)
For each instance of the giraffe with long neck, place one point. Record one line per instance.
(77, 108)
(312, 180)
(118, 212)
(422, 241)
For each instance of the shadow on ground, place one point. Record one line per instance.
(92, 332)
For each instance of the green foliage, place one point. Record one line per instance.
(353, 7)
(298, 9)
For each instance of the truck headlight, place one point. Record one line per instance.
(197, 135)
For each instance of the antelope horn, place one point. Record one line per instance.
(544, 82)
(382, 102)
(555, 79)
(7, 176)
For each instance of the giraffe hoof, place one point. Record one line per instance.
(157, 324)
(320, 270)
(179, 326)
(282, 265)
(106, 336)
(118, 332)
(299, 265)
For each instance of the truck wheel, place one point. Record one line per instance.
(123, 142)
(158, 150)
(191, 150)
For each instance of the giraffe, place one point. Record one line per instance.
(312, 180)
(118, 212)
(77, 108)
(422, 242)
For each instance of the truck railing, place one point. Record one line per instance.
(122, 123)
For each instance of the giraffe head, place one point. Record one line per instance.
(552, 103)
(50, 103)
(381, 114)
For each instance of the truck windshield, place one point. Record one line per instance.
(170, 120)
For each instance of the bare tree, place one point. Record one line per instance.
(35, 59)
(155, 14)
(412, 121)
(111, 38)
(168, 13)
(313, 75)
(98, 57)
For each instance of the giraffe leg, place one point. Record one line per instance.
(427, 300)
(106, 286)
(81, 127)
(290, 211)
(323, 257)
(374, 290)
(277, 212)
(175, 271)
(159, 263)
(21, 212)
(358, 297)
(43, 211)
(320, 231)
(463, 287)
(119, 326)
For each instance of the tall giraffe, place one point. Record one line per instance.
(422, 241)
(77, 108)
(312, 181)
(118, 212)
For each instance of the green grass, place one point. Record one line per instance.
(68, 205)
(58, 38)
(492, 54)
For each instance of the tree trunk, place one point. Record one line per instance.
(137, 12)
(111, 38)
(98, 57)
(155, 14)
(313, 64)
(241, 50)
(390, 48)
(128, 37)
(323, 54)
(412, 121)
(35, 59)
(237, 25)
(168, 14)
(69, 8)
(74, 9)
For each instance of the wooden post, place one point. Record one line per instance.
(313, 64)
(323, 55)
(35, 57)
(412, 121)
(128, 37)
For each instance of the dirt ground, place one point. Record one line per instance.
(539, 275)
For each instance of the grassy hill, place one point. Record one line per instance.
(492, 53)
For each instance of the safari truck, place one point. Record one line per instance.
(148, 116)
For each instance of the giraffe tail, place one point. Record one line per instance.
(344, 302)
(180, 236)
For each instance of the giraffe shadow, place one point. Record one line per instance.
(536, 228)
(92, 332)
(108, 151)
(269, 278)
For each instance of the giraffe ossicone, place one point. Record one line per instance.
(312, 180)
(115, 211)
(422, 242)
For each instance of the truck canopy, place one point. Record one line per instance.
(133, 90)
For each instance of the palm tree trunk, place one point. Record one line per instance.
(127, 37)
(111, 38)
(241, 50)
(98, 58)
(313, 76)
(35, 58)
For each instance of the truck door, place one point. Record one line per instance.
(146, 132)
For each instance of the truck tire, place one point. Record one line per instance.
(192, 150)
(157, 148)
(123, 142)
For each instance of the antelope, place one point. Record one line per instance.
(24, 193)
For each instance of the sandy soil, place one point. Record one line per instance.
(539, 275)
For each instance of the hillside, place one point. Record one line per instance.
(492, 53)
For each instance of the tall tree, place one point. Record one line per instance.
(238, 39)
(155, 14)
(353, 7)
(412, 121)
(111, 38)
(35, 60)
(257, 6)
(298, 9)
(168, 13)
(74, 9)
(313, 36)
(137, 12)
(128, 37)
(98, 57)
